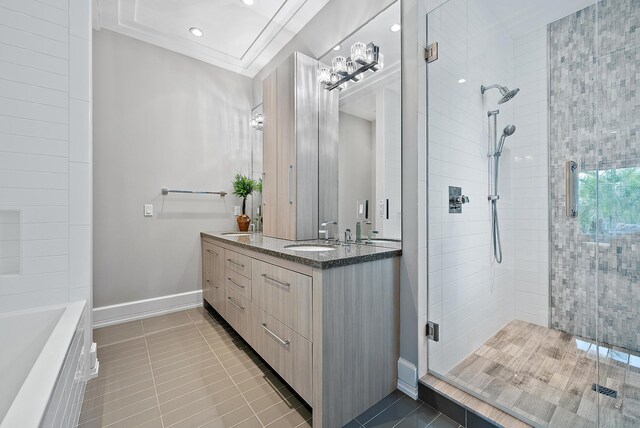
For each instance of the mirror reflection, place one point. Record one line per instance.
(369, 158)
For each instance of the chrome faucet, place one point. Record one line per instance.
(324, 231)
(347, 236)
(359, 230)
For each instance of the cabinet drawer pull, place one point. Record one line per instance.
(275, 336)
(211, 252)
(235, 304)
(235, 263)
(286, 284)
(235, 283)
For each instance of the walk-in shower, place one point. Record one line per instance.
(549, 333)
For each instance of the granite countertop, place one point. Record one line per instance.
(343, 255)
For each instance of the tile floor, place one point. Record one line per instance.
(546, 376)
(399, 411)
(184, 370)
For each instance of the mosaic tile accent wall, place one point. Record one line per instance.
(594, 60)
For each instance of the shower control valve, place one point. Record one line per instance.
(456, 200)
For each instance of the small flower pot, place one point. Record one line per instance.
(243, 222)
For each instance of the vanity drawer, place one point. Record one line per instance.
(286, 351)
(283, 294)
(237, 313)
(238, 263)
(212, 259)
(238, 283)
(213, 292)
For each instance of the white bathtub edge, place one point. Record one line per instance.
(140, 309)
(30, 404)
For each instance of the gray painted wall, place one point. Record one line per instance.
(356, 151)
(160, 120)
(594, 66)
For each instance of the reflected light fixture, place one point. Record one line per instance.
(395, 28)
(248, 2)
(337, 48)
(196, 31)
(257, 122)
(344, 70)
(462, 80)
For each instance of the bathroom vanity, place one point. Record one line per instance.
(326, 321)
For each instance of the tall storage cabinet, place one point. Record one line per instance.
(293, 106)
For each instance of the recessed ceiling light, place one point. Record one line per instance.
(395, 28)
(615, 131)
(248, 2)
(337, 48)
(196, 31)
(462, 80)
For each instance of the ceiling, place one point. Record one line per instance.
(237, 37)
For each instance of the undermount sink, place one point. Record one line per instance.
(311, 248)
(232, 234)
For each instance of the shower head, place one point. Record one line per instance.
(508, 131)
(504, 91)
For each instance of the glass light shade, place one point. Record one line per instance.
(324, 75)
(253, 123)
(380, 61)
(360, 76)
(259, 118)
(358, 51)
(339, 64)
(369, 56)
(351, 66)
(335, 77)
(343, 86)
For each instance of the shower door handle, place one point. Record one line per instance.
(572, 189)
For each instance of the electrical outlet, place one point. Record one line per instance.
(237, 210)
(148, 210)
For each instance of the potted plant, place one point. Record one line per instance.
(243, 186)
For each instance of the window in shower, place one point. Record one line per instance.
(609, 201)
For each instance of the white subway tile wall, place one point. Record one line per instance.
(530, 186)
(469, 295)
(45, 156)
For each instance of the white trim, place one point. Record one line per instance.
(411, 392)
(139, 309)
(408, 378)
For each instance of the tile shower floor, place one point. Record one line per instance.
(184, 370)
(547, 376)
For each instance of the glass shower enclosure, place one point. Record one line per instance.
(534, 115)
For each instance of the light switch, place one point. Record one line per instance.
(148, 210)
(237, 210)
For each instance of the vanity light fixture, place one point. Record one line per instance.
(344, 70)
(257, 122)
(196, 31)
(395, 28)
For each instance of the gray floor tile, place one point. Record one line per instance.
(393, 414)
(420, 418)
(353, 424)
(443, 422)
(381, 405)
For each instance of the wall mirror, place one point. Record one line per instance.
(256, 164)
(370, 134)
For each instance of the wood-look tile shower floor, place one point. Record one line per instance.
(547, 376)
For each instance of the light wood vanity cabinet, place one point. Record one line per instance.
(293, 106)
(332, 334)
(212, 276)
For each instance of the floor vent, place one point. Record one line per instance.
(604, 390)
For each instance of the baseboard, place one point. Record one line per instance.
(408, 390)
(139, 309)
(408, 378)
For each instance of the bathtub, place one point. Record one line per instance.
(42, 366)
